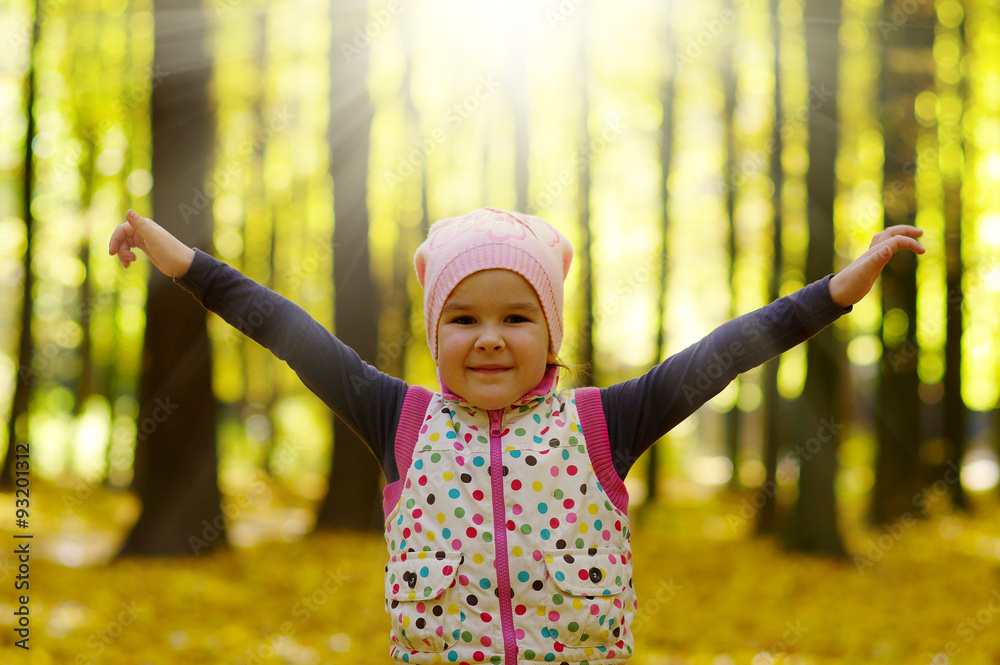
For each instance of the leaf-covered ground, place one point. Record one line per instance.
(708, 595)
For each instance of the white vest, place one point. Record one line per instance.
(528, 564)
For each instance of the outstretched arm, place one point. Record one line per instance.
(167, 253)
(366, 399)
(855, 281)
(640, 411)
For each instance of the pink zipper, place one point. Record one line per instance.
(500, 538)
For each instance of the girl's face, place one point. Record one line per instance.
(493, 342)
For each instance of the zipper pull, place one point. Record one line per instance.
(495, 420)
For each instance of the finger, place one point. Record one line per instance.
(899, 242)
(135, 220)
(123, 234)
(126, 255)
(896, 230)
(905, 229)
(882, 252)
(117, 238)
(880, 255)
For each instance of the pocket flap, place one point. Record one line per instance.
(600, 571)
(420, 575)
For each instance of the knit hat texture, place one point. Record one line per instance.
(488, 239)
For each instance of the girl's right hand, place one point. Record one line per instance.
(168, 254)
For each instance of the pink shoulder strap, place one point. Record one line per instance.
(595, 432)
(411, 418)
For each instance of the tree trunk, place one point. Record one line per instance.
(954, 412)
(353, 500)
(17, 424)
(907, 70)
(84, 383)
(814, 525)
(666, 146)
(520, 98)
(176, 466)
(585, 342)
(772, 417)
(732, 420)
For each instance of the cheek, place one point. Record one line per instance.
(451, 349)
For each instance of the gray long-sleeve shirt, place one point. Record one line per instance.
(638, 411)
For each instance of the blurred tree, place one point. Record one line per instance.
(772, 420)
(17, 424)
(814, 525)
(950, 135)
(729, 82)
(260, 396)
(907, 70)
(400, 336)
(666, 148)
(585, 341)
(517, 75)
(353, 500)
(176, 468)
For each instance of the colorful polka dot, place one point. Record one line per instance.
(554, 504)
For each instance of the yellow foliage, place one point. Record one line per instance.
(707, 594)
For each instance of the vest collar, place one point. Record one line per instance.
(539, 393)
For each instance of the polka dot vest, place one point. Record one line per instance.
(504, 545)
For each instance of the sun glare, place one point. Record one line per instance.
(492, 29)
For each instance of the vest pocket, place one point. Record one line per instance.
(584, 605)
(424, 616)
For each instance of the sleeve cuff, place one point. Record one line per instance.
(829, 298)
(194, 279)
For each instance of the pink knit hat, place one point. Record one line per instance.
(487, 239)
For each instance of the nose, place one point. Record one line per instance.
(490, 339)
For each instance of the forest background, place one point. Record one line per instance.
(704, 159)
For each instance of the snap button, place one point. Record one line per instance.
(410, 579)
(596, 575)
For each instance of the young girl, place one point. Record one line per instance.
(506, 514)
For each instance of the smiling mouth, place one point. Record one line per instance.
(490, 369)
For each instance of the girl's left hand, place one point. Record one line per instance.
(855, 281)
